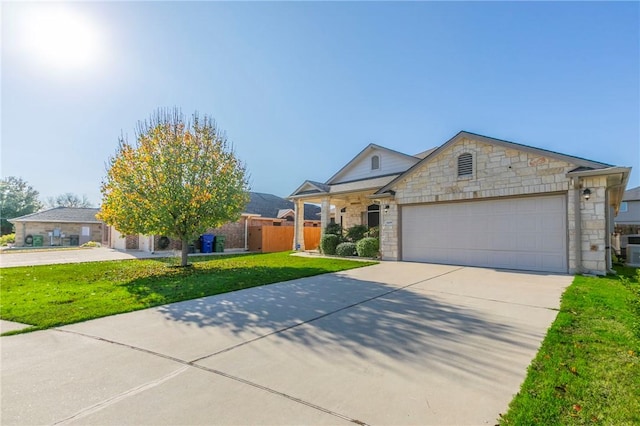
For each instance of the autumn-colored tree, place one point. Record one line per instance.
(179, 179)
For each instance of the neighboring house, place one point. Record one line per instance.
(627, 221)
(269, 209)
(628, 218)
(59, 226)
(262, 210)
(478, 201)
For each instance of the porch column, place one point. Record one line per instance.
(325, 213)
(298, 233)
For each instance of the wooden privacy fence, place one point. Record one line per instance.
(311, 238)
(267, 239)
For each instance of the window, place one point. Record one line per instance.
(465, 165)
(373, 215)
(623, 207)
(375, 162)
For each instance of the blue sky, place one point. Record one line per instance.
(301, 88)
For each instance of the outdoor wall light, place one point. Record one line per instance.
(586, 193)
(386, 209)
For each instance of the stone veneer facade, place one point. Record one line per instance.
(500, 171)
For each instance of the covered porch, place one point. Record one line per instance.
(347, 206)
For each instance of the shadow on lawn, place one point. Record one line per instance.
(335, 314)
(179, 284)
(175, 258)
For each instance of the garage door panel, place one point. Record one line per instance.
(517, 233)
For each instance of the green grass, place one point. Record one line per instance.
(588, 368)
(54, 295)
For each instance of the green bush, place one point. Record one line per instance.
(346, 249)
(368, 247)
(6, 239)
(356, 233)
(373, 232)
(91, 244)
(333, 228)
(328, 243)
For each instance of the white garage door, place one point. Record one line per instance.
(517, 233)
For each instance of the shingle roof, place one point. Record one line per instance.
(268, 205)
(632, 194)
(61, 214)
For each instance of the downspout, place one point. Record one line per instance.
(609, 226)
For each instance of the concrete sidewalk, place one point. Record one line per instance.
(95, 254)
(394, 343)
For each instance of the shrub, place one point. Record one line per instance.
(7, 239)
(346, 249)
(333, 228)
(91, 244)
(368, 247)
(328, 243)
(373, 232)
(356, 233)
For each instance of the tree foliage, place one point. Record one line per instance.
(178, 179)
(68, 199)
(17, 198)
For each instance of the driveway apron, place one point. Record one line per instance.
(394, 343)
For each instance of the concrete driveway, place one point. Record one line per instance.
(395, 343)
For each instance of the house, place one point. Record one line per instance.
(627, 222)
(271, 210)
(477, 201)
(262, 210)
(59, 226)
(628, 218)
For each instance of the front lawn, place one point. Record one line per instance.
(53, 295)
(588, 368)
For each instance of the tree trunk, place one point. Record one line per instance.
(185, 253)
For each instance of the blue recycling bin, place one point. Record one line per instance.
(206, 243)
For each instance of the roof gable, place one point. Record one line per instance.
(578, 162)
(311, 187)
(388, 162)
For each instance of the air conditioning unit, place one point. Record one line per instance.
(633, 255)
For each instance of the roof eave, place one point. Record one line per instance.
(616, 188)
(385, 195)
(602, 172)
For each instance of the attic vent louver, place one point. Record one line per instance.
(465, 164)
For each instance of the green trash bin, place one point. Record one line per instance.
(219, 244)
(38, 240)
